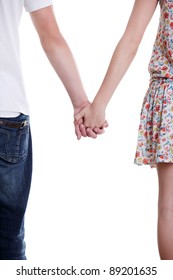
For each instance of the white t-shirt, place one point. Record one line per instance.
(12, 90)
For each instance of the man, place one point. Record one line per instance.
(15, 138)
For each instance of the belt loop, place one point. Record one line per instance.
(23, 124)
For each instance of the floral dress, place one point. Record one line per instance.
(155, 135)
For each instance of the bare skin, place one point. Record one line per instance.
(61, 58)
(165, 210)
(125, 51)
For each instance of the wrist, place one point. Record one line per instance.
(98, 103)
(79, 107)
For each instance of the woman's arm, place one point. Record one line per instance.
(123, 55)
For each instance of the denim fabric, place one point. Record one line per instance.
(15, 181)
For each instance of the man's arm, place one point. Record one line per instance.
(61, 58)
(59, 54)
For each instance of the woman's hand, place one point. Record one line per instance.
(89, 121)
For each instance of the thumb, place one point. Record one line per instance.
(78, 119)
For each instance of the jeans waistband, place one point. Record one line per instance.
(18, 122)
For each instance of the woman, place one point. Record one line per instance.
(155, 138)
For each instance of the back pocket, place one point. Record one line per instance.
(14, 144)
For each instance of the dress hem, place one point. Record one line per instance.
(151, 164)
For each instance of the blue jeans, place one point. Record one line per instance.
(15, 181)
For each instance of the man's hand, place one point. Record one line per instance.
(86, 123)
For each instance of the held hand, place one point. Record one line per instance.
(90, 121)
(77, 125)
(80, 129)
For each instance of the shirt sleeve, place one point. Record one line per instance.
(34, 5)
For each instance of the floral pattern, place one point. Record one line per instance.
(155, 135)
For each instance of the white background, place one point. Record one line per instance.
(89, 204)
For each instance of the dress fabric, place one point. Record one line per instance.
(155, 135)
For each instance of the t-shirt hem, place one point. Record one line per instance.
(39, 5)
